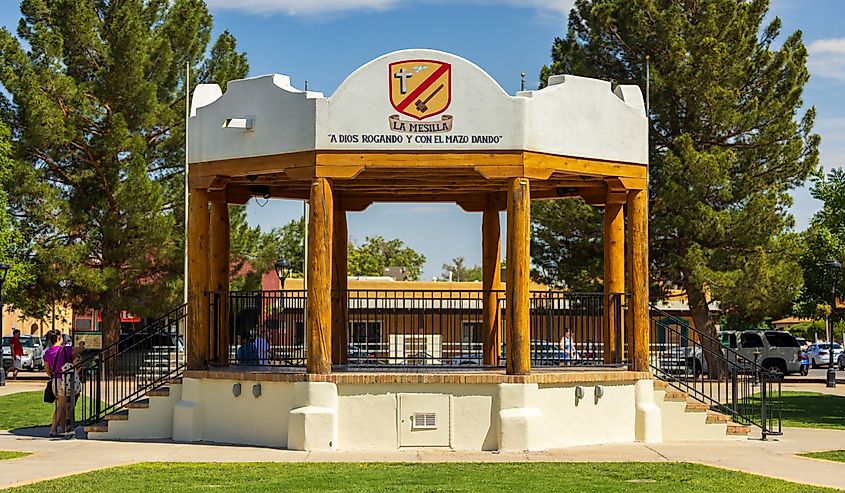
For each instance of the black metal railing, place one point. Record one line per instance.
(414, 328)
(258, 328)
(131, 367)
(730, 382)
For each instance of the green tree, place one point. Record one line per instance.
(11, 241)
(726, 141)
(824, 240)
(253, 252)
(97, 112)
(460, 272)
(566, 241)
(376, 254)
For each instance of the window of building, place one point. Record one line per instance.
(470, 335)
(366, 333)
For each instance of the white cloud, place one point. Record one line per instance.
(318, 7)
(301, 7)
(827, 58)
(835, 45)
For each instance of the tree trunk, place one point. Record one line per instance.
(704, 323)
(111, 334)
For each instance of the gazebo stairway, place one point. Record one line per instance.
(133, 373)
(686, 364)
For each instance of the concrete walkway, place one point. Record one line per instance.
(774, 458)
(13, 387)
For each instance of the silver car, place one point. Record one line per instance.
(33, 353)
(819, 353)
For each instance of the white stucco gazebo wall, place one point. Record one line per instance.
(573, 116)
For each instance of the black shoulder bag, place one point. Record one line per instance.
(49, 395)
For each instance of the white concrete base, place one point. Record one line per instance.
(313, 424)
(327, 416)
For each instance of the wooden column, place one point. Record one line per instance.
(491, 284)
(340, 329)
(320, 278)
(219, 277)
(638, 238)
(197, 336)
(614, 276)
(518, 322)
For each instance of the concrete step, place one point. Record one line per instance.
(696, 407)
(101, 427)
(737, 429)
(159, 392)
(139, 404)
(714, 417)
(675, 396)
(118, 416)
(174, 381)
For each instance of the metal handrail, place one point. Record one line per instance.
(123, 372)
(749, 393)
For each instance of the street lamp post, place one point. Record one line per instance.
(282, 267)
(833, 268)
(4, 269)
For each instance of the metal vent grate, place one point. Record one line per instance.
(425, 421)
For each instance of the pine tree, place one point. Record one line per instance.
(726, 141)
(97, 112)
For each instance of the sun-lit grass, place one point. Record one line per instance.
(813, 410)
(411, 478)
(26, 410)
(834, 455)
(5, 454)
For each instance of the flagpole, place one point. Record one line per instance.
(187, 117)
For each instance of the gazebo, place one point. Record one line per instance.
(420, 126)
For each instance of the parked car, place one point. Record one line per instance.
(543, 353)
(361, 356)
(777, 351)
(841, 361)
(819, 353)
(33, 353)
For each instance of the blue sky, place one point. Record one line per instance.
(323, 41)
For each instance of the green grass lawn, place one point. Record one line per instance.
(834, 455)
(26, 410)
(358, 477)
(4, 454)
(813, 410)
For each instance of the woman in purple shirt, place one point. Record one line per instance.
(55, 357)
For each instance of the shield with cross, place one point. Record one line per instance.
(420, 88)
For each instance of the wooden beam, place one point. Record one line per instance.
(219, 244)
(518, 265)
(197, 336)
(319, 353)
(638, 238)
(256, 165)
(587, 167)
(340, 328)
(491, 284)
(614, 280)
